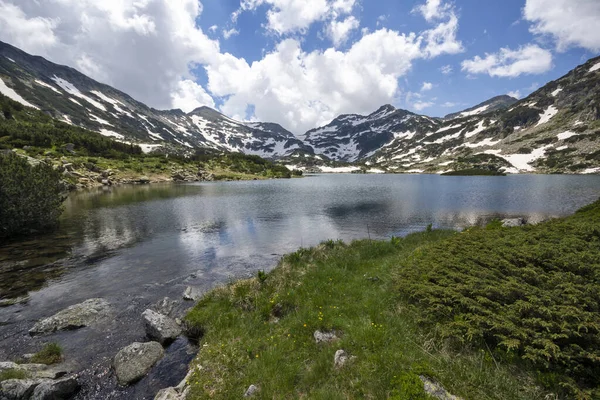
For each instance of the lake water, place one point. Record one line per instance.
(135, 245)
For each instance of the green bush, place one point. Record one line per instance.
(12, 374)
(30, 196)
(50, 354)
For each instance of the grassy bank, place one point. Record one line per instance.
(490, 313)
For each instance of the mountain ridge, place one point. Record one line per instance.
(500, 133)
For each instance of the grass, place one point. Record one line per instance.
(260, 331)
(50, 354)
(12, 374)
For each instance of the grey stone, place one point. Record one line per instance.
(192, 293)
(513, 222)
(134, 361)
(168, 394)
(252, 390)
(17, 389)
(436, 390)
(29, 368)
(160, 327)
(325, 337)
(106, 182)
(73, 317)
(340, 358)
(12, 302)
(56, 389)
(165, 306)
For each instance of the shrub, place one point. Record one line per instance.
(50, 354)
(30, 196)
(12, 374)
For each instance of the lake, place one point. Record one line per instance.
(134, 245)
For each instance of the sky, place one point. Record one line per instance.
(301, 63)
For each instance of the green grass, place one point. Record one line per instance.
(12, 374)
(50, 354)
(261, 332)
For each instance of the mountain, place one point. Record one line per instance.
(554, 130)
(68, 95)
(494, 104)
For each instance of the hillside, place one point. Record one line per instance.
(489, 313)
(554, 130)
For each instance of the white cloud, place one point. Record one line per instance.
(433, 9)
(213, 28)
(144, 48)
(450, 104)
(189, 96)
(515, 93)
(530, 59)
(421, 105)
(339, 31)
(446, 69)
(426, 86)
(227, 33)
(302, 90)
(442, 39)
(569, 22)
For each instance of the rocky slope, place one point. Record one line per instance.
(494, 104)
(71, 96)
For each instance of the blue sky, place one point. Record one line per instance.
(301, 63)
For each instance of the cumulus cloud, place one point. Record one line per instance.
(426, 86)
(339, 31)
(433, 9)
(572, 23)
(515, 93)
(530, 59)
(421, 105)
(227, 33)
(144, 48)
(189, 95)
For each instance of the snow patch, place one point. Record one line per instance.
(562, 148)
(147, 148)
(547, 115)
(75, 101)
(474, 112)
(106, 132)
(566, 135)
(595, 67)
(71, 89)
(11, 60)
(591, 170)
(44, 84)
(485, 142)
(478, 129)
(338, 170)
(557, 91)
(11, 94)
(444, 164)
(376, 171)
(522, 161)
(100, 120)
(414, 171)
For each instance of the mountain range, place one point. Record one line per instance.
(554, 130)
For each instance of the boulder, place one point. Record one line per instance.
(192, 293)
(436, 390)
(133, 362)
(59, 389)
(159, 327)
(17, 389)
(513, 222)
(73, 317)
(168, 394)
(252, 390)
(325, 337)
(166, 306)
(340, 359)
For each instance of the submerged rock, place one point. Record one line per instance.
(325, 337)
(59, 389)
(74, 317)
(134, 361)
(160, 327)
(436, 390)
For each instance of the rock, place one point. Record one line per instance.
(92, 167)
(325, 337)
(340, 358)
(165, 306)
(106, 182)
(68, 167)
(134, 361)
(70, 147)
(17, 389)
(513, 222)
(58, 389)
(160, 327)
(143, 180)
(29, 368)
(107, 174)
(168, 394)
(74, 317)
(436, 390)
(12, 302)
(252, 390)
(192, 293)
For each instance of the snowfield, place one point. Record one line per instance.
(11, 94)
(547, 115)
